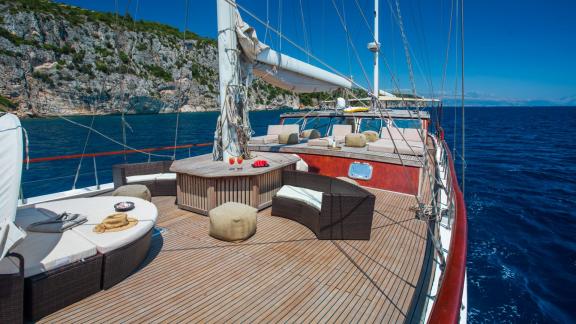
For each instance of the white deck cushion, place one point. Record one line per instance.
(412, 135)
(381, 145)
(391, 133)
(98, 208)
(166, 176)
(341, 130)
(141, 178)
(307, 196)
(151, 177)
(46, 251)
(409, 148)
(323, 141)
(279, 129)
(264, 139)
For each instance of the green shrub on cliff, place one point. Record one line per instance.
(6, 103)
(159, 72)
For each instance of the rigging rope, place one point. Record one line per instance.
(83, 152)
(111, 139)
(305, 32)
(178, 95)
(406, 50)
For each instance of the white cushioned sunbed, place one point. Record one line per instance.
(96, 209)
(46, 251)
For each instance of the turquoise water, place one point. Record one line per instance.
(520, 189)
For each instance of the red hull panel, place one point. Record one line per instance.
(386, 176)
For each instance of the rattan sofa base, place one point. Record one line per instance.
(50, 291)
(121, 263)
(12, 294)
(346, 212)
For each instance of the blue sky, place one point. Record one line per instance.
(516, 51)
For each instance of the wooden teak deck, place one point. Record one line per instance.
(283, 273)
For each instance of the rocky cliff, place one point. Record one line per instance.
(58, 59)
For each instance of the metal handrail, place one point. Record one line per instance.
(446, 308)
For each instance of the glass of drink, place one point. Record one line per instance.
(231, 162)
(239, 160)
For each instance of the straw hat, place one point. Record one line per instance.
(115, 222)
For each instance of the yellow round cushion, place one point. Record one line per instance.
(355, 140)
(371, 136)
(232, 221)
(288, 138)
(135, 190)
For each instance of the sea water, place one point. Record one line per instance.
(520, 192)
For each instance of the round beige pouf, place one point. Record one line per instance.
(355, 140)
(232, 221)
(310, 134)
(371, 136)
(288, 138)
(136, 190)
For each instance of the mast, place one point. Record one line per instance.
(226, 142)
(374, 47)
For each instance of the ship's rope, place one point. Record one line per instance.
(83, 152)
(179, 93)
(111, 139)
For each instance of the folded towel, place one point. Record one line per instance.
(59, 224)
(115, 222)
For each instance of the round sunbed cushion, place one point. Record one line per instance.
(47, 251)
(232, 221)
(134, 190)
(96, 209)
(355, 140)
(371, 136)
(288, 138)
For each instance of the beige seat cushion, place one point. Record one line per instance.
(412, 135)
(371, 136)
(232, 221)
(381, 145)
(288, 138)
(355, 140)
(310, 197)
(323, 142)
(134, 190)
(409, 148)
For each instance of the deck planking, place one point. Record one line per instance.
(283, 273)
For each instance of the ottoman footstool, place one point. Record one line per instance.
(232, 221)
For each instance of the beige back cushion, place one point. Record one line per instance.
(341, 130)
(391, 133)
(412, 135)
(279, 129)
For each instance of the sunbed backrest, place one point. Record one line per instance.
(391, 133)
(341, 130)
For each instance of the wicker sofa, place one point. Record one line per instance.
(331, 208)
(154, 175)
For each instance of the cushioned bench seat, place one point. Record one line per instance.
(271, 136)
(96, 209)
(150, 177)
(47, 251)
(310, 197)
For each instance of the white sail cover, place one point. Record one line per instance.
(10, 173)
(282, 70)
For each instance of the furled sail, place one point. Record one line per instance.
(11, 148)
(282, 70)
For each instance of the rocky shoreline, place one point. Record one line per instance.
(61, 60)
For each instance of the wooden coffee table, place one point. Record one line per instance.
(203, 184)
